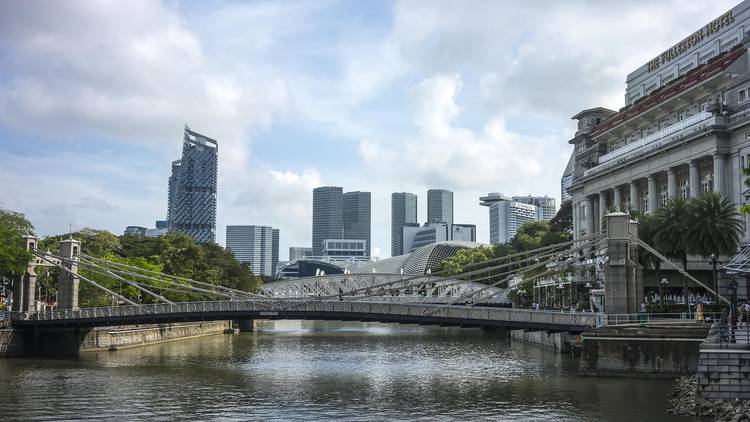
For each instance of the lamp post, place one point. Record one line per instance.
(714, 261)
(663, 284)
(732, 290)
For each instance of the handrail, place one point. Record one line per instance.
(551, 318)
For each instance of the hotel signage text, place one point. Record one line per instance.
(681, 47)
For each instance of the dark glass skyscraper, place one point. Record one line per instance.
(403, 212)
(357, 217)
(328, 216)
(439, 206)
(192, 188)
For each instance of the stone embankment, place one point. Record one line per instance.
(683, 402)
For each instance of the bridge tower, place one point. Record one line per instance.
(67, 284)
(25, 285)
(623, 284)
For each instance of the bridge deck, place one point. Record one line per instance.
(411, 313)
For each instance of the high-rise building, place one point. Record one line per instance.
(339, 215)
(546, 207)
(357, 217)
(328, 216)
(275, 251)
(439, 206)
(299, 252)
(507, 215)
(192, 188)
(345, 248)
(255, 245)
(403, 212)
(415, 237)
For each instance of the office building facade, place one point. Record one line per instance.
(255, 245)
(416, 237)
(684, 129)
(546, 207)
(339, 215)
(299, 252)
(439, 206)
(328, 216)
(345, 248)
(192, 188)
(357, 218)
(507, 215)
(403, 213)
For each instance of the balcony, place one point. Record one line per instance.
(670, 135)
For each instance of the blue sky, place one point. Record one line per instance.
(475, 97)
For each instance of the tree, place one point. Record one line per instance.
(530, 236)
(671, 237)
(714, 227)
(13, 256)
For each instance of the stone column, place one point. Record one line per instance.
(619, 291)
(590, 215)
(67, 290)
(671, 183)
(652, 193)
(694, 180)
(618, 199)
(635, 197)
(719, 174)
(602, 206)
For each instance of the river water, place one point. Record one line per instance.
(307, 371)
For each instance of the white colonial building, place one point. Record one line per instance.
(685, 129)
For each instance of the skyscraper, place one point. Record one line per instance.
(328, 216)
(403, 212)
(546, 208)
(439, 206)
(192, 188)
(275, 252)
(255, 245)
(507, 215)
(357, 217)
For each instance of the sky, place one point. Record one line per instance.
(390, 96)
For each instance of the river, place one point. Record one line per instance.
(306, 371)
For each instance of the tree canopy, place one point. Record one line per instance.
(13, 256)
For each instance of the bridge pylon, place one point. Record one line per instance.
(67, 283)
(24, 287)
(623, 284)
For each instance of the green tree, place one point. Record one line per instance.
(715, 226)
(13, 256)
(530, 236)
(671, 236)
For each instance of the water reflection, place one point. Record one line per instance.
(332, 371)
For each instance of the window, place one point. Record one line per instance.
(742, 95)
(707, 183)
(664, 195)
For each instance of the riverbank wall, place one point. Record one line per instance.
(724, 367)
(557, 342)
(72, 341)
(642, 350)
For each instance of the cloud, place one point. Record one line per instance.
(416, 94)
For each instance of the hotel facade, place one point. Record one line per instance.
(684, 129)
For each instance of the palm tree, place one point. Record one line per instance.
(671, 235)
(714, 226)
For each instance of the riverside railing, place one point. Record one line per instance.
(632, 319)
(453, 313)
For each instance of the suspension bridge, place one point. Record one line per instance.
(469, 298)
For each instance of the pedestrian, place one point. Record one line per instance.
(699, 312)
(744, 314)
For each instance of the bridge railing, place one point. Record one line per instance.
(629, 319)
(446, 312)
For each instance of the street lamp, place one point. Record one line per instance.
(663, 285)
(714, 261)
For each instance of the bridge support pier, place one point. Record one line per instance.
(67, 296)
(245, 325)
(24, 286)
(620, 274)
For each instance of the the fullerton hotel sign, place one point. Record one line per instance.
(681, 47)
